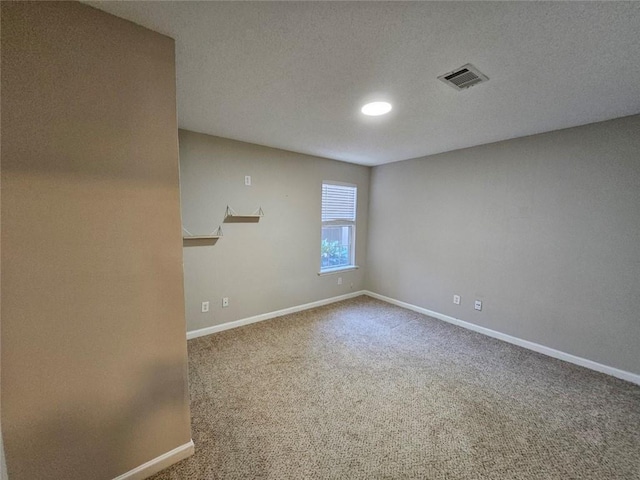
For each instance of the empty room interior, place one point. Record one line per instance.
(320, 240)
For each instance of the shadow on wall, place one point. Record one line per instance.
(62, 444)
(3, 464)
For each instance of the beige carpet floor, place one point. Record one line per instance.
(365, 390)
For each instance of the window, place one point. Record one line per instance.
(338, 226)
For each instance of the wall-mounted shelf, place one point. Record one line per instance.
(195, 240)
(231, 216)
(202, 237)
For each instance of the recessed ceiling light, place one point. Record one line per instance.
(374, 109)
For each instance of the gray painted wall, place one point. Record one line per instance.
(270, 265)
(545, 230)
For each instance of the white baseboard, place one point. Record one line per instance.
(159, 463)
(266, 316)
(567, 357)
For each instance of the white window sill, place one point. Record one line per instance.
(337, 270)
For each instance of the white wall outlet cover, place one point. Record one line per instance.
(478, 305)
(247, 180)
(225, 301)
(205, 307)
(456, 299)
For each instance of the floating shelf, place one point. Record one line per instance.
(202, 237)
(232, 217)
(194, 240)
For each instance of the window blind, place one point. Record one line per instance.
(338, 202)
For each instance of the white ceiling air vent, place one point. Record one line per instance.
(464, 77)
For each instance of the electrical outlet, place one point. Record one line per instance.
(205, 307)
(456, 299)
(339, 280)
(247, 180)
(225, 302)
(478, 305)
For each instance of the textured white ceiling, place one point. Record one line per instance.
(294, 75)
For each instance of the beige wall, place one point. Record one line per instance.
(93, 332)
(545, 230)
(270, 265)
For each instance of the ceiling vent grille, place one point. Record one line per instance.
(464, 77)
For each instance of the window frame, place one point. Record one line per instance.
(340, 223)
